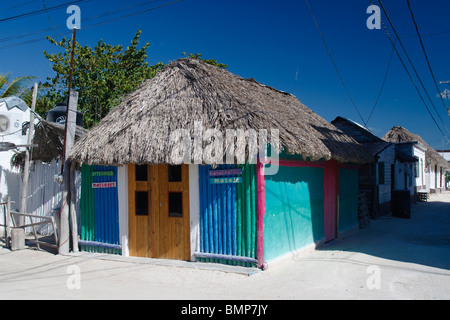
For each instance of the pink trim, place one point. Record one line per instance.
(261, 211)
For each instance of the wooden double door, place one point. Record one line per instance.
(158, 209)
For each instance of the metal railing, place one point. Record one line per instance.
(9, 217)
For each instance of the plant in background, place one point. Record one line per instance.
(18, 87)
(102, 75)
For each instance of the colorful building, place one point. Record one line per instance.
(184, 169)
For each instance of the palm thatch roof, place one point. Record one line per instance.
(188, 91)
(49, 138)
(399, 134)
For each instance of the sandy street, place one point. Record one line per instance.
(392, 258)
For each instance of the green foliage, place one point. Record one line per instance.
(18, 87)
(198, 56)
(102, 75)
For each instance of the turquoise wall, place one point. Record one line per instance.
(294, 214)
(348, 199)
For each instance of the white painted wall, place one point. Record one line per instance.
(11, 122)
(388, 157)
(421, 180)
(122, 189)
(194, 208)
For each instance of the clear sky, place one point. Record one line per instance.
(275, 42)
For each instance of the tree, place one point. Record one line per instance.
(198, 56)
(18, 87)
(102, 75)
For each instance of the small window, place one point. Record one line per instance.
(142, 203)
(174, 173)
(141, 173)
(175, 204)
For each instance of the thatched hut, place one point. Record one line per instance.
(195, 189)
(430, 172)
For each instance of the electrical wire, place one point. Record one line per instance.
(18, 5)
(382, 86)
(84, 20)
(48, 15)
(334, 63)
(404, 66)
(412, 65)
(66, 32)
(425, 54)
(23, 15)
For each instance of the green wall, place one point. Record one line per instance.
(294, 210)
(348, 199)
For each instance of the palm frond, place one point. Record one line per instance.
(17, 87)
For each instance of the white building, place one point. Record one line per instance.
(410, 170)
(446, 155)
(14, 113)
(43, 193)
(432, 180)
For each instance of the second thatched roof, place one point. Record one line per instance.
(188, 91)
(399, 134)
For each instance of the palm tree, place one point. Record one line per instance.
(18, 87)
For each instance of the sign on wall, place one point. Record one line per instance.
(103, 185)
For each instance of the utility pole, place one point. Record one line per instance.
(446, 91)
(69, 138)
(26, 168)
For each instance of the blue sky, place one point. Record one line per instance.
(275, 42)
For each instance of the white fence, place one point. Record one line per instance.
(43, 194)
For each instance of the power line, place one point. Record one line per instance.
(19, 5)
(40, 11)
(404, 66)
(334, 63)
(84, 27)
(382, 86)
(425, 53)
(84, 20)
(48, 15)
(412, 65)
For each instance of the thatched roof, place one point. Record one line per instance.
(399, 134)
(49, 138)
(188, 91)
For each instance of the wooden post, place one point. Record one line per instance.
(64, 235)
(8, 223)
(26, 169)
(64, 232)
(69, 95)
(73, 213)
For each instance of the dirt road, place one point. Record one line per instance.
(392, 258)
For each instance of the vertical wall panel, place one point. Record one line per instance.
(228, 214)
(99, 208)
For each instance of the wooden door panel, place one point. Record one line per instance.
(159, 235)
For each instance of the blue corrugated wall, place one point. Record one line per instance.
(99, 209)
(228, 215)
